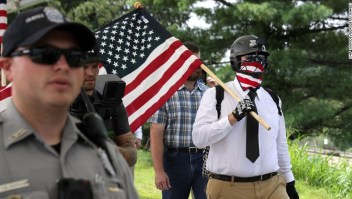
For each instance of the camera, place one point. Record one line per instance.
(111, 88)
(110, 91)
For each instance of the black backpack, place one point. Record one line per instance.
(219, 98)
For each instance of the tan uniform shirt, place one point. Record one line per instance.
(29, 168)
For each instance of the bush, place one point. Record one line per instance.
(321, 171)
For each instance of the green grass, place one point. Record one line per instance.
(318, 171)
(315, 178)
(144, 177)
(306, 191)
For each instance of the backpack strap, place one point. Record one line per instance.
(275, 98)
(219, 98)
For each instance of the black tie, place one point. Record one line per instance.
(252, 145)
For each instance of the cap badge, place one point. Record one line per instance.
(54, 15)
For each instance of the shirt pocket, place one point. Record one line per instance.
(114, 191)
(108, 190)
(26, 195)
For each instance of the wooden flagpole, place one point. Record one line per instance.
(227, 89)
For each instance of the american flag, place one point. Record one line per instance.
(3, 18)
(5, 92)
(152, 62)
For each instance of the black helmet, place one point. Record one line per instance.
(244, 45)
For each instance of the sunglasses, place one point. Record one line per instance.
(50, 55)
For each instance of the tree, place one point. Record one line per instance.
(307, 40)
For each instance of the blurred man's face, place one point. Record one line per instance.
(91, 71)
(198, 72)
(195, 75)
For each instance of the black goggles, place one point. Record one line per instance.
(262, 59)
(50, 55)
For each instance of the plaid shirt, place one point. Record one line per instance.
(178, 115)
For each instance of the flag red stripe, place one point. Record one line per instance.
(3, 25)
(153, 66)
(5, 93)
(143, 117)
(3, 13)
(149, 93)
(246, 80)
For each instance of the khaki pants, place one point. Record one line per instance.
(273, 188)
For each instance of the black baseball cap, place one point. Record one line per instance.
(93, 56)
(32, 25)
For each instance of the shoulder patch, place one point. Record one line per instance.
(15, 136)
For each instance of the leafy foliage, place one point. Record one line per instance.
(307, 40)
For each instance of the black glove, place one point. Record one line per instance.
(243, 107)
(291, 190)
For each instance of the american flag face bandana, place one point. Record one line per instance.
(250, 75)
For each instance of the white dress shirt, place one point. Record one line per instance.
(139, 133)
(227, 155)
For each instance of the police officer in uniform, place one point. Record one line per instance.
(43, 154)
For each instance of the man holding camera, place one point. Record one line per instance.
(43, 152)
(114, 116)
